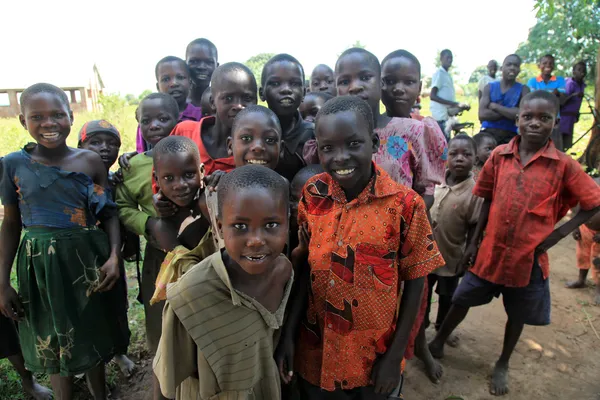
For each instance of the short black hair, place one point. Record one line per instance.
(348, 103)
(173, 145)
(514, 55)
(203, 42)
(547, 56)
(543, 95)
(279, 58)
(481, 136)
(307, 172)
(373, 60)
(322, 95)
(169, 59)
(403, 54)
(42, 88)
(260, 110)
(581, 64)
(250, 177)
(169, 102)
(226, 68)
(445, 52)
(464, 136)
(322, 66)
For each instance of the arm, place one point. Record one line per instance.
(434, 97)
(561, 232)
(505, 112)
(10, 234)
(485, 113)
(130, 215)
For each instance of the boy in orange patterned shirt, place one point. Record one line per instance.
(362, 234)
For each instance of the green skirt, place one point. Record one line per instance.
(67, 328)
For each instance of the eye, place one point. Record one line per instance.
(168, 178)
(240, 227)
(181, 77)
(246, 138)
(330, 81)
(326, 148)
(365, 78)
(59, 115)
(296, 84)
(165, 79)
(354, 143)
(272, 225)
(388, 81)
(248, 98)
(546, 118)
(35, 117)
(271, 140)
(274, 84)
(228, 98)
(190, 175)
(164, 119)
(94, 143)
(144, 121)
(343, 82)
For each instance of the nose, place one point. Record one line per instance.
(255, 240)
(257, 146)
(179, 184)
(285, 89)
(398, 89)
(48, 122)
(340, 157)
(355, 88)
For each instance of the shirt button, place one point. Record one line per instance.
(330, 326)
(340, 243)
(332, 283)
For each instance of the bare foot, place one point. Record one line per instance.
(436, 348)
(597, 298)
(453, 340)
(126, 366)
(499, 383)
(434, 369)
(37, 391)
(575, 284)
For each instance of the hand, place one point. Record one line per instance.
(304, 239)
(124, 159)
(164, 207)
(386, 374)
(577, 234)
(493, 106)
(212, 180)
(116, 178)
(468, 258)
(580, 94)
(597, 238)
(464, 106)
(284, 358)
(548, 243)
(10, 304)
(109, 274)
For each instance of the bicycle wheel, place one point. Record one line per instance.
(592, 154)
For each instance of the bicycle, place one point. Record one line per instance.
(454, 125)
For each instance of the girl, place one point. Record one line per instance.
(64, 263)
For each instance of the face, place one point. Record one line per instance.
(156, 122)
(255, 228)
(446, 60)
(205, 104)
(310, 107)
(536, 121)
(492, 68)
(105, 145)
(256, 140)
(460, 158)
(233, 93)
(173, 79)
(355, 76)
(345, 148)
(202, 62)
(47, 119)
(485, 148)
(401, 85)
(511, 68)
(323, 80)
(579, 73)
(283, 89)
(178, 176)
(547, 66)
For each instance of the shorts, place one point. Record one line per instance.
(446, 285)
(9, 338)
(530, 304)
(308, 391)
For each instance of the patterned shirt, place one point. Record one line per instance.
(360, 252)
(527, 202)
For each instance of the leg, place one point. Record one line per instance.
(499, 382)
(433, 368)
(152, 260)
(443, 309)
(583, 257)
(30, 385)
(96, 380)
(431, 280)
(62, 386)
(126, 366)
(580, 282)
(596, 273)
(455, 316)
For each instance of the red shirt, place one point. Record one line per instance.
(359, 253)
(527, 202)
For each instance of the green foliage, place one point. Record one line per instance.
(528, 71)
(256, 64)
(144, 94)
(478, 73)
(131, 99)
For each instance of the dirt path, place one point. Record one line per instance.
(558, 361)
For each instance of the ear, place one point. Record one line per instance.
(220, 226)
(156, 179)
(211, 100)
(375, 139)
(261, 94)
(22, 121)
(420, 87)
(71, 117)
(229, 146)
(157, 89)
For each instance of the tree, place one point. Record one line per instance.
(256, 64)
(356, 44)
(478, 73)
(131, 99)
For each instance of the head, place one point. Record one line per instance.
(202, 57)
(358, 73)
(446, 58)
(486, 143)
(400, 83)
(346, 142)
(579, 71)
(537, 117)
(461, 155)
(282, 82)
(547, 65)
(233, 88)
(46, 114)
(492, 68)
(101, 137)
(322, 79)
(205, 103)
(157, 114)
(253, 216)
(255, 137)
(313, 101)
(177, 169)
(511, 67)
(173, 78)
(297, 185)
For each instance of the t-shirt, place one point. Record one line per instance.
(555, 83)
(291, 160)
(443, 81)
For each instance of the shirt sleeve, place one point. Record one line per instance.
(580, 188)
(8, 188)
(474, 209)
(532, 83)
(484, 187)
(129, 213)
(436, 80)
(419, 254)
(570, 87)
(431, 151)
(561, 85)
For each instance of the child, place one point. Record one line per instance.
(486, 143)
(311, 105)
(322, 79)
(220, 343)
(202, 57)
(296, 187)
(205, 103)
(492, 68)
(528, 186)
(103, 138)
(158, 116)
(58, 194)
(569, 111)
(353, 336)
(499, 102)
(283, 89)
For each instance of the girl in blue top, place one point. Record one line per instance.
(65, 263)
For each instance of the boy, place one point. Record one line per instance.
(569, 111)
(492, 68)
(220, 344)
(158, 114)
(322, 79)
(202, 57)
(499, 103)
(207, 110)
(311, 105)
(283, 89)
(527, 187)
(485, 145)
(353, 336)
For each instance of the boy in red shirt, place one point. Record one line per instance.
(528, 186)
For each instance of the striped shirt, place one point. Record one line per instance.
(217, 343)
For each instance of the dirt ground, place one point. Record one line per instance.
(558, 361)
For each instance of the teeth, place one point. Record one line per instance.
(344, 171)
(202, 76)
(53, 135)
(255, 258)
(258, 162)
(286, 102)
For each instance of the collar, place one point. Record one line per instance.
(539, 78)
(459, 188)
(512, 148)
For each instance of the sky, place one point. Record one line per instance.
(59, 41)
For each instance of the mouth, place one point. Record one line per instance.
(50, 136)
(257, 162)
(400, 100)
(156, 138)
(106, 158)
(176, 93)
(287, 102)
(344, 172)
(255, 257)
(363, 96)
(201, 76)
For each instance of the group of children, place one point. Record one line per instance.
(292, 251)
